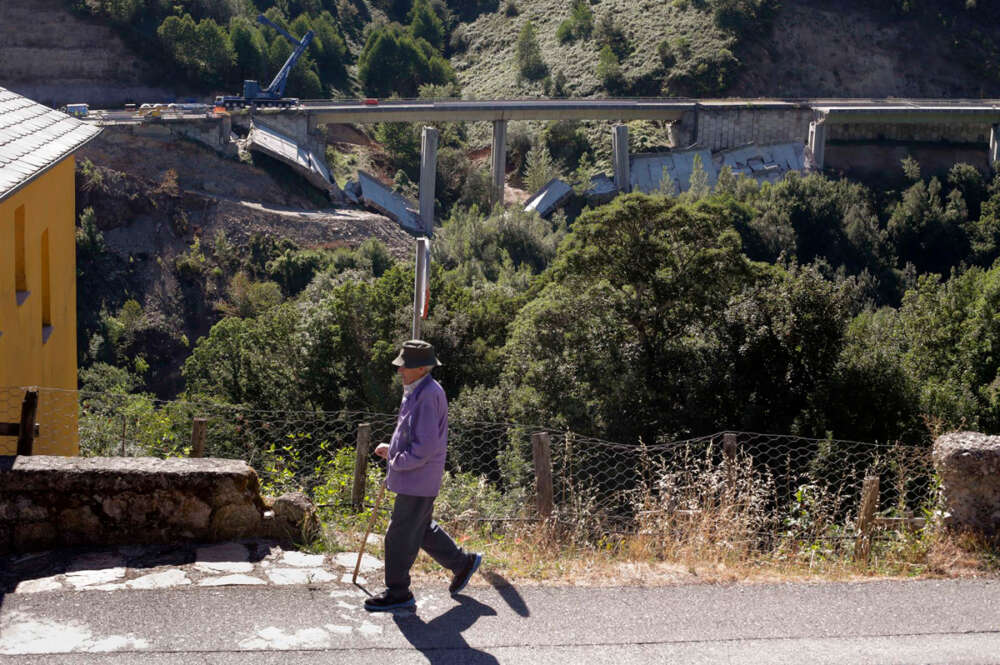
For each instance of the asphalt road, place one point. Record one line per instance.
(953, 621)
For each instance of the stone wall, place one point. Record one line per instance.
(968, 464)
(48, 502)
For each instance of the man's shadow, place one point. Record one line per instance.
(441, 640)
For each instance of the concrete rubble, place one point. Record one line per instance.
(547, 199)
(305, 161)
(380, 198)
(671, 172)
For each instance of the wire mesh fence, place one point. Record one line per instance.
(754, 488)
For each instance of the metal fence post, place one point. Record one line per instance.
(541, 453)
(361, 465)
(29, 409)
(198, 427)
(866, 519)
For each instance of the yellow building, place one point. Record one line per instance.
(38, 268)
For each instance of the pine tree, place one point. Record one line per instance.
(529, 55)
(699, 186)
(424, 23)
(610, 71)
(539, 167)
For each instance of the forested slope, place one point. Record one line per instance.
(506, 48)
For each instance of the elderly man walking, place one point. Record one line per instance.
(415, 457)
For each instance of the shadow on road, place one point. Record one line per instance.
(508, 593)
(440, 639)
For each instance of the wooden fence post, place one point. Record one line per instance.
(198, 427)
(541, 452)
(29, 410)
(361, 465)
(866, 519)
(729, 449)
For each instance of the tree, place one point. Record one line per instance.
(331, 50)
(611, 343)
(425, 24)
(214, 54)
(699, 186)
(402, 142)
(611, 35)
(529, 55)
(926, 231)
(394, 61)
(609, 71)
(249, 49)
(539, 167)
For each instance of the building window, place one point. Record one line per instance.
(20, 273)
(46, 289)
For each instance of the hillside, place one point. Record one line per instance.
(816, 48)
(52, 55)
(809, 48)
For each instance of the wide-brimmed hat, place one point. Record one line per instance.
(416, 353)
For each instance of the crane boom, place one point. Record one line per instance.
(253, 95)
(277, 87)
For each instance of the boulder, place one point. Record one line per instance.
(968, 464)
(292, 517)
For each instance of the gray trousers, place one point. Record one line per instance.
(410, 529)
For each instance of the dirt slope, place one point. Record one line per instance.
(827, 49)
(51, 55)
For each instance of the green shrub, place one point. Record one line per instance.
(564, 33)
(529, 55)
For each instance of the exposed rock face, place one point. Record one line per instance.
(48, 501)
(968, 464)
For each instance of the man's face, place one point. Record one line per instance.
(411, 374)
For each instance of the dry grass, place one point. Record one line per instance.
(540, 556)
(699, 516)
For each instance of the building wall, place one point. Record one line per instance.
(38, 315)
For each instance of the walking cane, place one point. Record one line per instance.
(364, 540)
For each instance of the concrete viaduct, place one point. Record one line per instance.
(707, 124)
(710, 124)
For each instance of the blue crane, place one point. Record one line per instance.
(253, 95)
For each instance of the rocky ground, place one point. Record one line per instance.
(244, 563)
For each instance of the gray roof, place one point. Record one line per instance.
(34, 138)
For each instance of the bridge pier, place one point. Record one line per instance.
(619, 150)
(499, 161)
(428, 177)
(817, 143)
(994, 155)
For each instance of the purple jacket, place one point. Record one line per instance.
(420, 442)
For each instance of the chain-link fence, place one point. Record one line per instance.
(751, 488)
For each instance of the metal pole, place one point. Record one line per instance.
(419, 285)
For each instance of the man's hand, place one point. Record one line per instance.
(382, 450)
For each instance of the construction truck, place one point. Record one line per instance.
(272, 95)
(77, 110)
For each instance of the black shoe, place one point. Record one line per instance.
(385, 602)
(462, 576)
